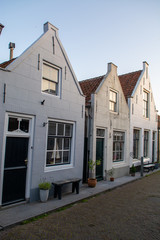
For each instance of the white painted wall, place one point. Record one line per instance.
(136, 118)
(24, 96)
(103, 118)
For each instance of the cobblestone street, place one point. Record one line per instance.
(130, 212)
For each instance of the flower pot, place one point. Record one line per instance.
(44, 195)
(112, 179)
(133, 174)
(92, 182)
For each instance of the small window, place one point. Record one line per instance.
(100, 132)
(18, 125)
(113, 101)
(50, 81)
(145, 104)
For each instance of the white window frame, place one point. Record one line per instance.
(67, 165)
(111, 101)
(146, 145)
(58, 83)
(137, 140)
(123, 141)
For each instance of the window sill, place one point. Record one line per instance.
(50, 94)
(58, 167)
(116, 113)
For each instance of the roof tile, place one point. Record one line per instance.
(5, 64)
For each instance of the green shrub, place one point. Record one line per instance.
(44, 185)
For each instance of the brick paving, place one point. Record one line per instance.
(130, 212)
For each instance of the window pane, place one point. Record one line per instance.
(50, 73)
(60, 129)
(45, 85)
(58, 157)
(66, 157)
(52, 128)
(66, 143)
(12, 124)
(68, 130)
(51, 143)
(52, 87)
(59, 144)
(50, 158)
(24, 125)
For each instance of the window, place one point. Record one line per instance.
(16, 124)
(146, 141)
(113, 101)
(100, 132)
(59, 143)
(135, 143)
(153, 146)
(50, 81)
(145, 104)
(118, 146)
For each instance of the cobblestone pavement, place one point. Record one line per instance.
(130, 212)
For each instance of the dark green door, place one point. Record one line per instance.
(14, 180)
(99, 156)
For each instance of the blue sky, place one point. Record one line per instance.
(93, 33)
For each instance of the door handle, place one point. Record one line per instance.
(26, 161)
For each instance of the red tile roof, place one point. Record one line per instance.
(5, 64)
(89, 86)
(128, 82)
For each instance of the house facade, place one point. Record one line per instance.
(42, 119)
(143, 115)
(106, 125)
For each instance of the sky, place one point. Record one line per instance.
(93, 33)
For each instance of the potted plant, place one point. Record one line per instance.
(44, 191)
(92, 181)
(133, 170)
(111, 173)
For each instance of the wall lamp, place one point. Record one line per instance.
(44, 124)
(42, 103)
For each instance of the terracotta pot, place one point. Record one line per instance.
(111, 179)
(92, 182)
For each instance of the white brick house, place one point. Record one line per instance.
(143, 115)
(41, 119)
(106, 124)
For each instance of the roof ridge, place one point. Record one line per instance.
(89, 79)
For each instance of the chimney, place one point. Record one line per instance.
(11, 47)
(1, 27)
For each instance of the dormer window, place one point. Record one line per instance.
(113, 101)
(50, 79)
